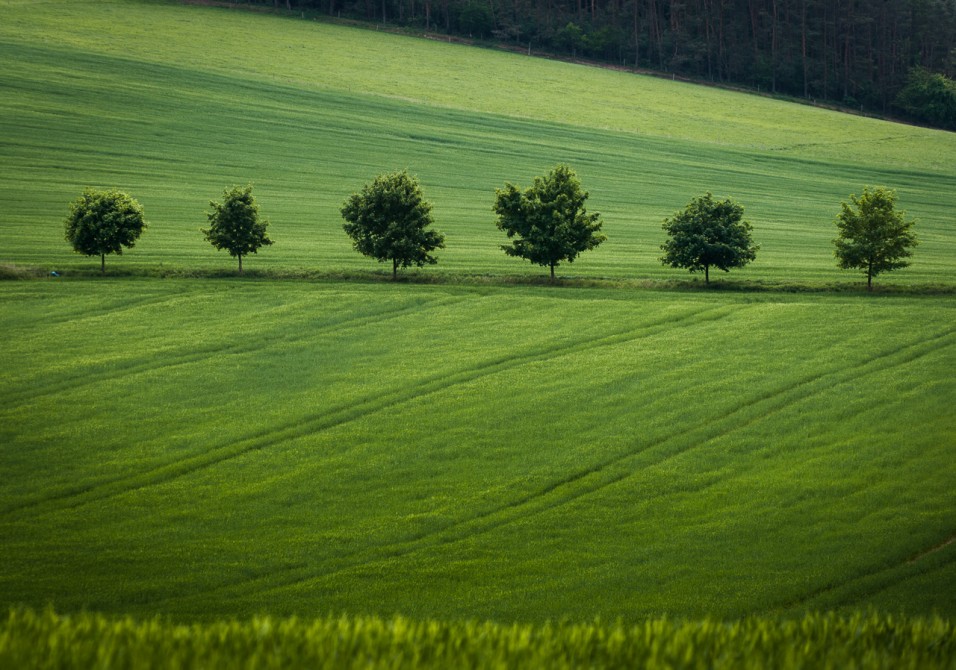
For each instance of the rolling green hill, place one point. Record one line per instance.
(173, 103)
(212, 447)
(207, 448)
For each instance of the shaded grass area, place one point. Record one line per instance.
(311, 112)
(12, 271)
(31, 640)
(202, 448)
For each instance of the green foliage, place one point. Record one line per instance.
(708, 233)
(476, 20)
(234, 224)
(929, 97)
(388, 221)
(873, 236)
(570, 38)
(103, 222)
(93, 642)
(549, 219)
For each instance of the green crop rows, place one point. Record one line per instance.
(213, 447)
(313, 440)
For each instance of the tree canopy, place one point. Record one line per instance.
(708, 233)
(930, 98)
(234, 224)
(388, 219)
(103, 222)
(873, 236)
(548, 219)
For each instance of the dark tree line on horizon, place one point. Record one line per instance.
(853, 52)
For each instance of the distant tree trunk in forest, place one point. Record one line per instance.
(803, 48)
(773, 48)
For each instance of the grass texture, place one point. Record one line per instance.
(94, 642)
(209, 448)
(173, 103)
(479, 448)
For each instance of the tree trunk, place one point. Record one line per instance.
(773, 50)
(869, 276)
(803, 48)
(103, 263)
(240, 263)
(552, 273)
(394, 269)
(706, 274)
(637, 37)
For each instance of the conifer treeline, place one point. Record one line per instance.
(856, 52)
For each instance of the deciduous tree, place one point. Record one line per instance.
(708, 233)
(873, 236)
(234, 224)
(548, 220)
(388, 219)
(103, 222)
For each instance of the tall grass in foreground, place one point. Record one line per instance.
(47, 640)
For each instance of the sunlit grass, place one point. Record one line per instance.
(92, 642)
(221, 447)
(181, 101)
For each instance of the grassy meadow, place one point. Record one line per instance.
(311, 440)
(208, 448)
(174, 103)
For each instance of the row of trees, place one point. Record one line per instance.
(850, 51)
(547, 223)
(104, 222)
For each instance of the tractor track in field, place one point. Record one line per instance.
(146, 364)
(604, 474)
(115, 307)
(607, 473)
(186, 359)
(890, 580)
(932, 550)
(341, 415)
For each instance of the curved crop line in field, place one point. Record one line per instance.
(729, 422)
(536, 503)
(187, 358)
(148, 363)
(119, 305)
(890, 581)
(338, 416)
(608, 473)
(438, 384)
(932, 550)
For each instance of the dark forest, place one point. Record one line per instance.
(893, 57)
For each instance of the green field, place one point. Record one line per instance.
(177, 103)
(215, 447)
(313, 439)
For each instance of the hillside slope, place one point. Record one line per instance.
(174, 103)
